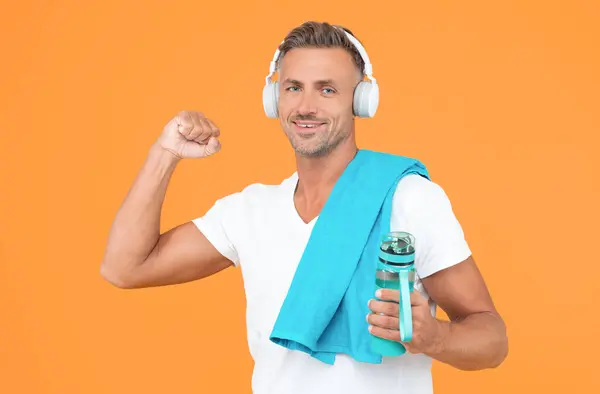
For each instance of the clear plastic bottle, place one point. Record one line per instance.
(395, 270)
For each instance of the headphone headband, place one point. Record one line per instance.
(368, 71)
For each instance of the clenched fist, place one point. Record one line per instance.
(190, 135)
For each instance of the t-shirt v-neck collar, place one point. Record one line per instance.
(290, 198)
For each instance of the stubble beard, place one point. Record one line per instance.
(324, 146)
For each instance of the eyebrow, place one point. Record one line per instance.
(319, 82)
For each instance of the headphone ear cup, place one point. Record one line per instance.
(366, 99)
(270, 99)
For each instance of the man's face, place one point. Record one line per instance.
(315, 98)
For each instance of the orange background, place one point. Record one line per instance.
(500, 101)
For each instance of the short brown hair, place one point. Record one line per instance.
(320, 35)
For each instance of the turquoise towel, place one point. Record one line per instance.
(325, 310)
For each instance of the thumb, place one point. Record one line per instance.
(410, 347)
(212, 146)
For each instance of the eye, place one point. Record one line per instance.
(328, 91)
(291, 89)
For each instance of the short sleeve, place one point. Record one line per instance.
(422, 208)
(217, 226)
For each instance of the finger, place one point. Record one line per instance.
(388, 295)
(385, 333)
(209, 130)
(384, 307)
(201, 131)
(215, 132)
(185, 124)
(383, 321)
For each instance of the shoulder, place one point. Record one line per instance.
(418, 195)
(257, 193)
(422, 208)
(228, 222)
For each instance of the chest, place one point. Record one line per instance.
(270, 246)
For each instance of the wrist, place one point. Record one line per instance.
(443, 329)
(163, 155)
(161, 161)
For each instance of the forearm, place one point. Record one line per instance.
(477, 342)
(136, 228)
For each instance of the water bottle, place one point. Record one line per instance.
(395, 270)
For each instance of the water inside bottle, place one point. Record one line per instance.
(387, 280)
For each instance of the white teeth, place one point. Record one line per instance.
(307, 125)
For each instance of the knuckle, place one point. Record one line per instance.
(183, 129)
(390, 322)
(194, 133)
(188, 128)
(375, 319)
(391, 308)
(392, 295)
(197, 126)
(203, 132)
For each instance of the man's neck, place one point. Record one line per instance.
(318, 175)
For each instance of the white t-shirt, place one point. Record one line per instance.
(260, 231)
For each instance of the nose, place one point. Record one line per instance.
(307, 104)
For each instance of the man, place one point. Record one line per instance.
(265, 228)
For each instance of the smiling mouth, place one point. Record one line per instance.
(303, 125)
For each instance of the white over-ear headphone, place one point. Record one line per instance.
(366, 94)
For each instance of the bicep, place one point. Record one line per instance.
(443, 258)
(459, 290)
(182, 254)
